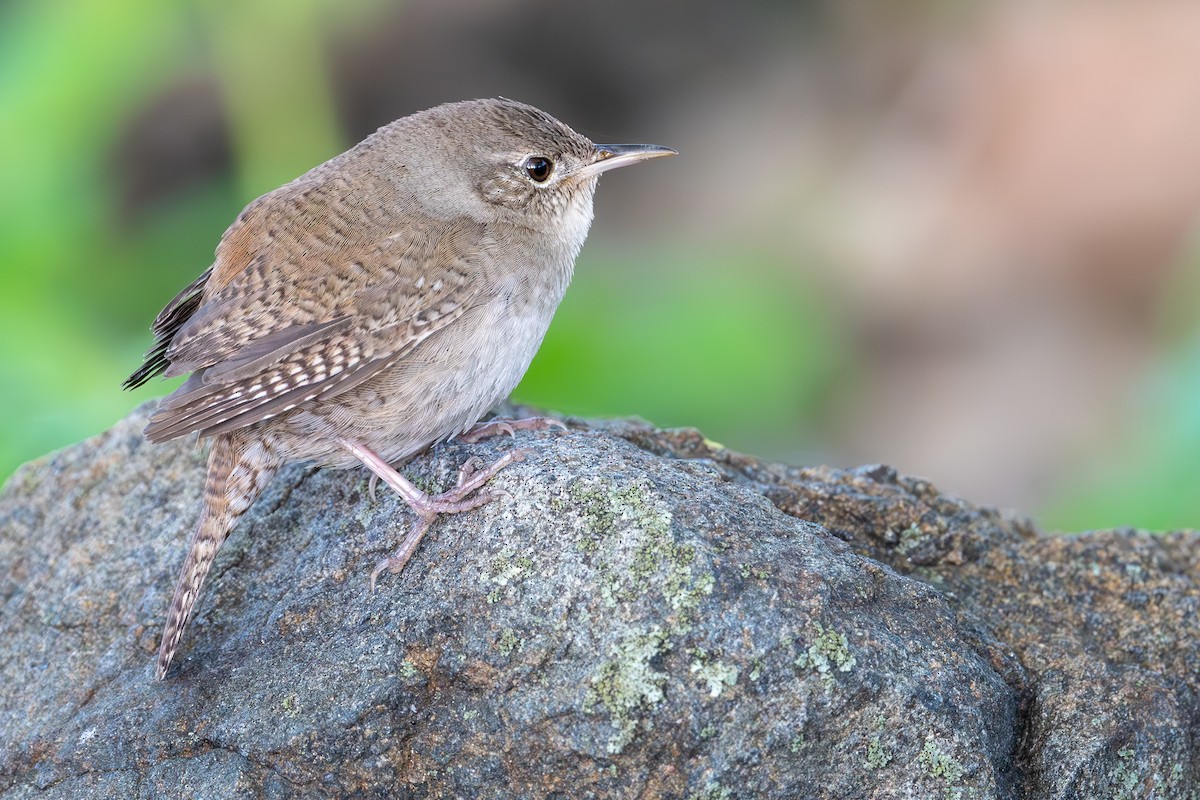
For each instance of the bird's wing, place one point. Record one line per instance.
(247, 242)
(311, 318)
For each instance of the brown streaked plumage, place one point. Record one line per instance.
(380, 303)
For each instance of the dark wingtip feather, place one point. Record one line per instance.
(166, 325)
(143, 374)
(155, 364)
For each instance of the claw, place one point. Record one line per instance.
(495, 427)
(469, 468)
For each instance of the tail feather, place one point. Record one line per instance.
(238, 471)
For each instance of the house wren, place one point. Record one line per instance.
(380, 303)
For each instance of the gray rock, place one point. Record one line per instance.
(642, 614)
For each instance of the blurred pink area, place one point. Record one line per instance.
(1009, 236)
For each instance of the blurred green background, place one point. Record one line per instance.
(842, 267)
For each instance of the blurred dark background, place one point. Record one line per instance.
(953, 237)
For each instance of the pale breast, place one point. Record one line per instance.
(439, 390)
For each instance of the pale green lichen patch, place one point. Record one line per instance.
(910, 538)
(749, 571)
(410, 671)
(1135, 778)
(1176, 781)
(878, 753)
(365, 513)
(829, 652)
(716, 675)
(711, 791)
(508, 642)
(610, 590)
(608, 508)
(426, 483)
(507, 568)
(1125, 775)
(946, 768)
(684, 593)
(878, 756)
(627, 685)
(628, 535)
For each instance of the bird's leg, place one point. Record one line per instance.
(494, 427)
(373, 481)
(427, 507)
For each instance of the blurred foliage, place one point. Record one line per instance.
(684, 339)
(71, 75)
(1148, 474)
(1151, 481)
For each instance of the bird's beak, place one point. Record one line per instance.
(611, 156)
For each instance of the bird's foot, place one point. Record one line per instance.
(471, 477)
(495, 427)
(483, 431)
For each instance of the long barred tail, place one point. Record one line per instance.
(239, 468)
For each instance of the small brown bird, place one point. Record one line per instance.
(376, 305)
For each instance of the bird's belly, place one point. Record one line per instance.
(440, 389)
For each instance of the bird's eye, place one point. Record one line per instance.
(538, 168)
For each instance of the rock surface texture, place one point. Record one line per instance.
(641, 614)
